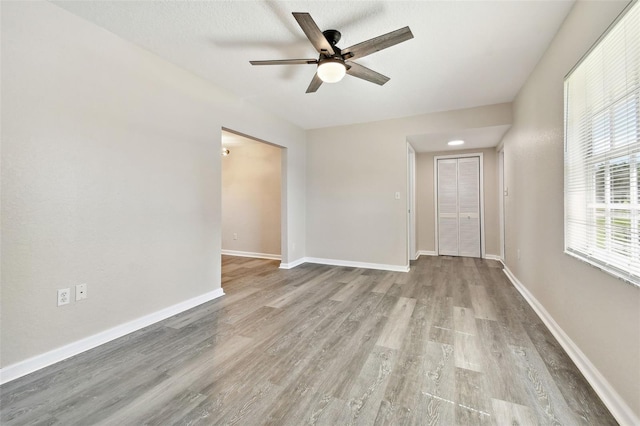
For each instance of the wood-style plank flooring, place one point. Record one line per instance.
(450, 343)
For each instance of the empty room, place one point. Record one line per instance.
(333, 213)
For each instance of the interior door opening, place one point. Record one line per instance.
(252, 197)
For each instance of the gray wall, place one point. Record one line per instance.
(599, 313)
(251, 198)
(425, 199)
(352, 175)
(111, 177)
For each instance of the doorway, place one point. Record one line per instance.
(252, 197)
(459, 204)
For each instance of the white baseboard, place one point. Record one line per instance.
(365, 265)
(251, 254)
(618, 407)
(293, 264)
(335, 262)
(22, 368)
(433, 253)
(493, 257)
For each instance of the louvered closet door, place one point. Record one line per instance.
(459, 207)
(448, 207)
(469, 206)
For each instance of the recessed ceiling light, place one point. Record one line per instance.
(456, 142)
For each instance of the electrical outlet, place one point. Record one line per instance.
(81, 292)
(64, 296)
(235, 236)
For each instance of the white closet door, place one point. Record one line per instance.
(459, 207)
(448, 207)
(469, 206)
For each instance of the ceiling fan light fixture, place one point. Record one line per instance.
(331, 62)
(331, 70)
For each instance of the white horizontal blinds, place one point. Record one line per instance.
(469, 206)
(602, 152)
(448, 207)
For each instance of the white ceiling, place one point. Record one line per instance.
(464, 54)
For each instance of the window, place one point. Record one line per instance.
(602, 152)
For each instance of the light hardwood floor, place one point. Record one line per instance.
(451, 342)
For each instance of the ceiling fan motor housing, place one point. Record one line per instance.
(332, 36)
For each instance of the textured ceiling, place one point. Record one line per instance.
(464, 54)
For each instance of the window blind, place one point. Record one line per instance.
(602, 152)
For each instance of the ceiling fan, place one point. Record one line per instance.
(333, 62)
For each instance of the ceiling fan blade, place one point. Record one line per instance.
(315, 84)
(313, 33)
(357, 70)
(378, 43)
(285, 62)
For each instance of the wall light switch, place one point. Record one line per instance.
(397, 195)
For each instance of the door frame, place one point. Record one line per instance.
(412, 249)
(435, 195)
(501, 195)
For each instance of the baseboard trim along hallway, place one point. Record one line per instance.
(493, 257)
(349, 263)
(619, 409)
(433, 253)
(293, 264)
(14, 371)
(251, 254)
